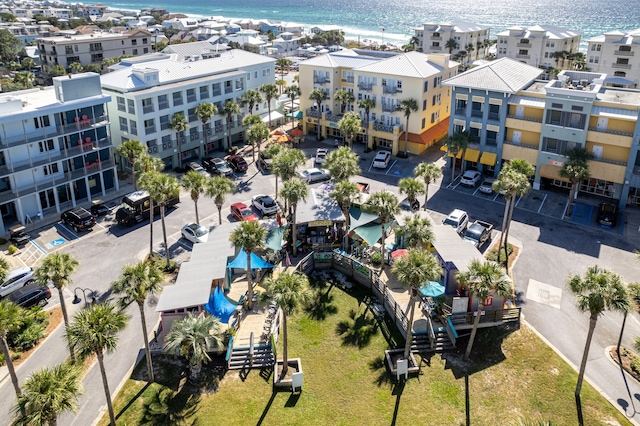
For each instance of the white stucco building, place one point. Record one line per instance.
(538, 45)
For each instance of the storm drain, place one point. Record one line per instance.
(543, 293)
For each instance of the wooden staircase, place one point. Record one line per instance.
(422, 342)
(241, 357)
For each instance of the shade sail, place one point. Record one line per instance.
(472, 155)
(240, 262)
(219, 306)
(274, 239)
(488, 158)
(358, 218)
(371, 234)
(432, 289)
(297, 115)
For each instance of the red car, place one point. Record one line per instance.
(242, 212)
(237, 163)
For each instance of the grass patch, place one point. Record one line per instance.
(514, 375)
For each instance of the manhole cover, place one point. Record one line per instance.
(543, 293)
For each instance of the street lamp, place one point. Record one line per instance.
(76, 298)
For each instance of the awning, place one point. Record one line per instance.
(274, 116)
(298, 115)
(358, 218)
(618, 80)
(240, 262)
(488, 158)
(472, 155)
(219, 306)
(444, 148)
(274, 238)
(459, 156)
(371, 234)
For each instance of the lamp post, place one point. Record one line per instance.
(76, 298)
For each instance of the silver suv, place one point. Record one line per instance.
(16, 279)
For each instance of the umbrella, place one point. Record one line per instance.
(399, 253)
(432, 289)
(283, 139)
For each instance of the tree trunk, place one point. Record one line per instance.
(572, 196)
(219, 213)
(179, 141)
(507, 201)
(269, 108)
(473, 331)
(583, 365)
(453, 168)
(285, 346)
(105, 384)
(229, 131)
(4, 346)
(164, 235)
(194, 372)
(382, 244)
(195, 202)
(624, 321)
(146, 342)
(249, 282)
(426, 193)
(293, 231)
(151, 217)
(206, 139)
(65, 315)
(512, 205)
(409, 338)
(253, 151)
(133, 174)
(276, 186)
(406, 137)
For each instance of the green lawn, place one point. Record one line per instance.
(514, 376)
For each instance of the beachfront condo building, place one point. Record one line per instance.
(540, 46)
(55, 149)
(616, 54)
(454, 37)
(539, 121)
(93, 48)
(386, 79)
(147, 92)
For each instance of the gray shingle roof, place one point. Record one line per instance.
(410, 64)
(502, 75)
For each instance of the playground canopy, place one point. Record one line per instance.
(219, 306)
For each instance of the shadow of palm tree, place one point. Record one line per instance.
(357, 331)
(168, 408)
(322, 305)
(379, 365)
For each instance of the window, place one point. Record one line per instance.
(204, 92)
(147, 105)
(492, 138)
(494, 112)
(573, 120)
(46, 145)
(596, 47)
(426, 86)
(51, 169)
(163, 102)
(133, 127)
(165, 123)
(177, 98)
(145, 50)
(191, 114)
(555, 105)
(433, 118)
(131, 106)
(41, 121)
(145, 41)
(576, 108)
(149, 126)
(424, 122)
(619, 74)
(217, 91)
(135, 52)
(476, 109)
(134, 42)
(557, 146)
(191, 95)
(461, 106)
(123, 125)
(424, 105)
(433, 100)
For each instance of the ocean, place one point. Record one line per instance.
(366, 19)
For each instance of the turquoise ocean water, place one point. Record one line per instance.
(366, 18)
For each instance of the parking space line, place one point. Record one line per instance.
(100, 225)
(69, 231)
(564, 213)
(477, 189)
(496, 197)
(40, 249)
(370, 166)
(542, 204)
(518, 202)
(391, 167)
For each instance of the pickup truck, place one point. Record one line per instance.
(478, 233)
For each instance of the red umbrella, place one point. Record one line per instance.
(399, 253)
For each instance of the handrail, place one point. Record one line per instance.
(227, 358)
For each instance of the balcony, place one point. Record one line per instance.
(435, 37)
(461, 111)
(594, 129)
(147, 109)
(519, 56)
(391, 90)
(314, 114)
(95, 48)
(535, 120)
(622, 53)
(523, 145)
(349, 80)
(622, 66)
(523, 44)
(149, 130)
(388, 107)
(436, 48)
(216, 93)
(476, 113)
(228, 90)
(365, 86)
(321, 80)
(50, 132)
(383, 127)
(494, 116)
(331, 117)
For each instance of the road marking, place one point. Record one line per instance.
(542, 204)
(69, 230)
(58, 242)
(496, 197)
(565, 210)
(391, 166)
(517, 202)
(477, 189)
(544, 293)
(100, 225)
(38, 247)
(370, 166)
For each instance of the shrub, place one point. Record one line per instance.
(635, 365)
(31, 331)
(493, 253)
(160, 263)
(3, 241)
(634, 291)
(376, 258)
(14, 356)
(232, 150)
(12, 249)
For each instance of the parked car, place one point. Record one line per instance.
(409, 206)
(195, 233)
(265, 204)
(16, 279)
(478, 233)
(470, 178)
(314, 175)
(78, 219)
(382, 159)
(264, 163)
(31, 295)
(487, 187)
(19, 237)
(458, 219)
(321, 155)
(607, 214)
(193, 166)
(237, 163)
(217, 166)
(99, 210)
(243, 212)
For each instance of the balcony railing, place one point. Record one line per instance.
(216, 93)
(434, 37)
(523, 44)
(388, 108)
(383, 127)
(365, 86)
(524, 145)
(49, 132)
(348, 80)
(622, 53)
(461, 111)
(314, 114)
(147, 109)
(228, 90)
(519, 56)
(436, 48)
(494, 116)
(604, 160)
(320, 80)
(149, 130)
(392, 90)
(331, 117)
(476, 113)
(622, 66)
(595, 129)
(535, 120)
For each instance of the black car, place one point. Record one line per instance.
(237, 163)
(31, 295)
(99, 210)
(78, 219)
(19, 238)
(607, 214)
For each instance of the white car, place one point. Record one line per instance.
(265, 204)
(487, 187)
(195, 233)
(458, 219)
(314, 175)
(470, 178)
(382, 159)
(16, 279)
(321, 155)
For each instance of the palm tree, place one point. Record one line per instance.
(49, 393)
(76, 67)
(25, 77)
(217, 188)
(407, 106)
(283, 64)
(205, 111)
(95, 331)
(455, 144)
(417, 232)
(132, 150)
(192, 337)
(469, 48)
(482, 279)
(318, 95)
(162, 188)
(11, 316)
(135, 284)
(251, 98)
(479, 46)
(57, 269)
(385, 205)
(148, 163)
(350, 125)
(428, 172)
(293, 92)
(281, 83)
(294, 191)
(342, 163)
(366, 104)
(285, 163)
(180, 125)
(415, 270)
(598, 291)
(28, 64)
(249, 236)
(195, 183)
(344, 97)
(343, 193)
(451, 44)
(255, 135)
(270, 91)
(289, 290)
(230, 109)
(411, 187)
(575, 169)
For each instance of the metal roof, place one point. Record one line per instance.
(410, 64)
(502, 75)
(452, 249)
(319, 206)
